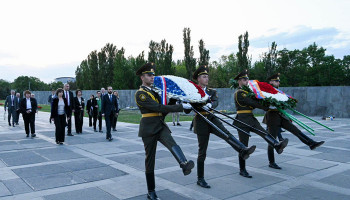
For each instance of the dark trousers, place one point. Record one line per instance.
(203, 136)
(114, 123)
(150, 145)
(69, 124)
(99, 118)
(109, 119)
(60, 124)
(244, 138)
(17, 116)
(11, 113)
(78, 121)
(274, 123)
(29, 119)
(90, 119)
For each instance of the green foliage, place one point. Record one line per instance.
(203, 54)
(23, 83)
(242, 55)
(5, 88)
(190, 61)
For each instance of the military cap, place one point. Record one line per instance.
(275, 77)
(203, 69)
(243, 74)
(147, 68)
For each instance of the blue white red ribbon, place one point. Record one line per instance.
(164, 91)
(256, 89)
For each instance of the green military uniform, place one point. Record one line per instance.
(275, 121)
(245, 106)
(153, 129)
(203, 130)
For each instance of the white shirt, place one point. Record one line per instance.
(29, 105)
(12, 100)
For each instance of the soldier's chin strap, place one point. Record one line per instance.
(216, 111)
(204, 108)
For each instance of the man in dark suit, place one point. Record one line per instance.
(51, 96)
(11, 103)
(28, 109)
(69, 96)
(109, 110)
(18, 111)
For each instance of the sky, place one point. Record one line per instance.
(49, 39)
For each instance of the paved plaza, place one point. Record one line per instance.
(89, 167)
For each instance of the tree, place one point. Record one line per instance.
(161, 54)
(190, 62)
(5, 88)
(270, 60)
(23, 83)
(203, 54)
(242, 58)
(92, 61)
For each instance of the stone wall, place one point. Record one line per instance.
(313, 101)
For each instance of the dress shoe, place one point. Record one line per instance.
(9, 124)
(187, 167)
(152, 196)
(314, 145)
(27, 135)
(244, 173)
(61, 143)
(179, 124)
(274, 166)
(100, 131)
(110, 139)
(57, 142)
(69, 134)
(114, 129)
(201, 182)
(33, 135)
(95, 130)
(247, 151)
(13, 125)
(17, 123)
(174, 124)
(281, 145)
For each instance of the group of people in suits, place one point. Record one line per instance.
(27, 107)
(64, 104)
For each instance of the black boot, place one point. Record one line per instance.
(308, 141)
(243, 151)
(271, 156)
(200, 174)
(242, 171)
(151, 184)
(181, 159)
(279, 146)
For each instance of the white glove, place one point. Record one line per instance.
(207, 106)
(186, 106)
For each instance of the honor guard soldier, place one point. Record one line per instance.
(276, 120)
(244, 107)
(203, 129)
(153, 128)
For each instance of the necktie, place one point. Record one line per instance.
(67, 96)
(12, 99)
(110, 97)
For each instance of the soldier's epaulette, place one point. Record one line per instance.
(240, 90)
(211, 89)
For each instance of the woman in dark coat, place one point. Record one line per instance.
(79, 106)
(59, 112)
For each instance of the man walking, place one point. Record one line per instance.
(109, 110)
(11, 103)
(69, 96)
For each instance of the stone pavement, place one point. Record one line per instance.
(89, 167)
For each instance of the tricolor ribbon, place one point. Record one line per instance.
(164, 88)
(256, 89)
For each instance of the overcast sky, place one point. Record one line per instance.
(49, 39)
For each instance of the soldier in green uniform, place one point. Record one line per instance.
(203, 129)
(153, 128)
(244, 107)
(276, 120)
